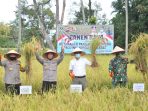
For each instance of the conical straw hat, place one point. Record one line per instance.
(117, 49)
(77, 50)
(50, 51)
(12, 52)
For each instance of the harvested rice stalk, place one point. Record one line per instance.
(28, 50)
(139, 50)
(95, 43)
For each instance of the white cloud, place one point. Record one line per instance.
(7, 8)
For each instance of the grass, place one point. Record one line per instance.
(99, 96)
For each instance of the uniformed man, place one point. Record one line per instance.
(12, 68)
(118, 68)
(78, 68)
(50, 69)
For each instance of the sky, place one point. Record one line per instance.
(8, 8)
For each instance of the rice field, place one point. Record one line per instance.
(99, 95)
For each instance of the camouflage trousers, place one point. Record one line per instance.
(119, 81)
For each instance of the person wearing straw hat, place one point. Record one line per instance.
(118, 68)
(50, 68)
(77, 68)
(12, 68)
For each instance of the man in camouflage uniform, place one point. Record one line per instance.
(118, 68)
(12, 68)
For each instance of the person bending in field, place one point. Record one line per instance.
(49, 68)
(118, 68)
(78, 68)
(12, 68)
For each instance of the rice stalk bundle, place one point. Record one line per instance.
(29, 50)
(95, 43)
(139, 50)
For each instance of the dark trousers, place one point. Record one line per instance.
(119, 83)
(13, 88)
(49, 86)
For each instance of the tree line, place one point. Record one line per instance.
(37, 19)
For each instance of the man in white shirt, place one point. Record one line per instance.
(78, 68)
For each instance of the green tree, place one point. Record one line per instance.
(92, 20)
(79, 17)
(90, 15)
(30, 21)
(138, 17)
(6, 38)
(4, 30)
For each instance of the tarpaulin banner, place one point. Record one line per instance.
(73, 36)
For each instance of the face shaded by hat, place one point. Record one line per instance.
(76, 51)
(50, 52)
(117, 50)
(12, 54)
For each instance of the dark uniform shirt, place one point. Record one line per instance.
(118, 66)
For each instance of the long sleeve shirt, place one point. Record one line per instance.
(12, 71)
(50, 67)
